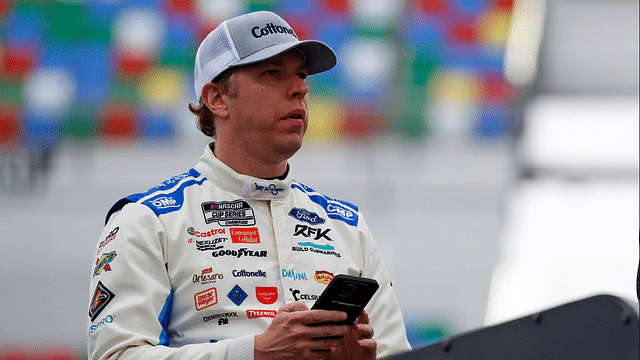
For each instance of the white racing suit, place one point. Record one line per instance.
(195, 267)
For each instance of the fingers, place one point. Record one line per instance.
(294, 306)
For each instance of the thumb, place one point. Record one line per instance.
(294, 306)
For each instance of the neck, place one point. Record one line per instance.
(244, 164)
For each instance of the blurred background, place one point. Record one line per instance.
(491, 144)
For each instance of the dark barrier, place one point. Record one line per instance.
(599, 327)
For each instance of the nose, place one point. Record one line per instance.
(298, 89)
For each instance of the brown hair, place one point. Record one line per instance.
(204, 116)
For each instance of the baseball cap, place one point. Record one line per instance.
(250, 38)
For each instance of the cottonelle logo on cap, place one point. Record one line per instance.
(258, 32)
(251, 38)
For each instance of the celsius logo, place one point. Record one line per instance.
(306, 216)
(269, 29)
(298, 296)
(271, 188)
(164, 202)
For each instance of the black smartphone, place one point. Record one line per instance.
(347, 293)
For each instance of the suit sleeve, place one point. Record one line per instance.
(130, 294)
(383, 309)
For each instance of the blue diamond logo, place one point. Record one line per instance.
(237, 295)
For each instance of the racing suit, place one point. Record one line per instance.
(198, 265)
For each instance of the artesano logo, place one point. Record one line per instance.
(245, 235)
(206, 298)
(207, 277)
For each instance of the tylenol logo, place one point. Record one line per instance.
(252, 314)
(267, 294)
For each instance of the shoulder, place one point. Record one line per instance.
(335, 209)
(168, 196)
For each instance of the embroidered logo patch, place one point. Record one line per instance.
(237, 295)
(101, 297)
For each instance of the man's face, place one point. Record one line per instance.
(268, 116)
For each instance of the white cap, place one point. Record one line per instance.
(251, 38)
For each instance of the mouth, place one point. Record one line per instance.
(297, 114)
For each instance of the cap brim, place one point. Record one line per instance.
(318, 56)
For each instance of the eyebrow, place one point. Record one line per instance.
(280, 63)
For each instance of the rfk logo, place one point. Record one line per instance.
(308, 231)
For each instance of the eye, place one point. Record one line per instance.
(272, 72)
(302, 75)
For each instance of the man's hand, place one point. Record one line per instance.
(290, 337)
(359, 343)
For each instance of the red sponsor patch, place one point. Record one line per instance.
(267, 294)
(206, 298)
(252, 314)
(245, 235)
(323, 277)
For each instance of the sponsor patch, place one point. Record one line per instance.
(237, 295)
(306, 216)
(245, 235)
(210, 244)
(101, 297)
(240, 253)
(315, 248)
(111, 236)
(335, 209)
(310, 232)
(323, 277)
(245, 273)
(220, 316)
(267, 294)
(207, 277)
(271, 188)
(297, 295)
(213, 232)
(252, 314)
(228, 213)
(103, 263)
(293, 274)
(105, 320)
(206, 298)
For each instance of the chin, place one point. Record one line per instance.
(288, 150)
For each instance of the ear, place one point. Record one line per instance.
(212, 97)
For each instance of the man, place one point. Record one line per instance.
(225, 260)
